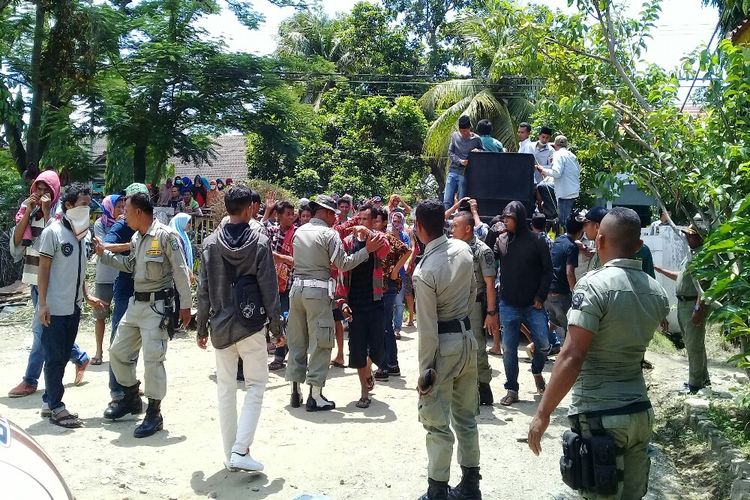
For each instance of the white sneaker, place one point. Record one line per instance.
(244, 462)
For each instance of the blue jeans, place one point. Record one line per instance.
(391, 350)
(398, 309)
(536, 319)
(36, 356)
(122, 290)
(564, 209)
(454, 183)
(58, 339)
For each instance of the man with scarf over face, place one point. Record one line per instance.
(33, 216)
(62, 249)
(525, 278)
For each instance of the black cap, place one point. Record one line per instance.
(323, 201)
(596, 214)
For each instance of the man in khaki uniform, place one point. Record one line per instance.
(310, 326)
(691, 315)
(158, 266)
(615, 311)
(445, 290)
(483, 315)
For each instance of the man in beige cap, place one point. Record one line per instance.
(311, 327)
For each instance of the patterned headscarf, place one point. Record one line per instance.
(108, 210)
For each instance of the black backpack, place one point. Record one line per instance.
(247, 301)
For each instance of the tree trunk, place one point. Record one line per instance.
(437, 169)
(139, 160)
(33, 149)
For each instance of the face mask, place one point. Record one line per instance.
(78, 217)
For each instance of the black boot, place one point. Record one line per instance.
(468, 488)
(296, 400)
(436, 490)
(153, 421)
(485, 394)
(130, 403)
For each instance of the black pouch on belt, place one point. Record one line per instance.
(604, 458)
(576, 463)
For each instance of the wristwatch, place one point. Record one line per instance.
(492, 313)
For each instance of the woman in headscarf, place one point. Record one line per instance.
(220, 184)
(397, 227)
(181, 223)
(112, 209)
(229, 181)
(199, 190)
(213, 193)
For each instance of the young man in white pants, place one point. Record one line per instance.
(234, 312)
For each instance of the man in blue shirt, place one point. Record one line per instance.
(489, 143)
(564, 262)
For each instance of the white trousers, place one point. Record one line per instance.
(238, 435)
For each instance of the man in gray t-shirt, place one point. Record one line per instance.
(463, 142)
(62, 271)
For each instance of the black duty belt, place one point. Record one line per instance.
(146, 296)
(685, 298)
(453, 325)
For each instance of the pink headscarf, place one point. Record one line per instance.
(108, 210)
(50, 178)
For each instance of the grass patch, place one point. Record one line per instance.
(661, 344)
(699, 469)
(733, 422)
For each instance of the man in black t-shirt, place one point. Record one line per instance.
(564, 262)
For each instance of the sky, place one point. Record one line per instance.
(683, 25)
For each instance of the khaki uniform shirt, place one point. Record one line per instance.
(316, 247)
(445, 289)
(685, 286)
(622, 306)
(156, 262)
(484, 264)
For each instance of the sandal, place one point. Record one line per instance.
(96, 360)
(363, 403)
(276, 365)
(337, 364)
(510, 398)
(541, 385)
(370, 383)
(397, 335)
(493, 353)
(66, 419)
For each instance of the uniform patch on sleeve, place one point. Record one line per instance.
(173, 243)
(66, 249)
(489, 258)
(577, 300)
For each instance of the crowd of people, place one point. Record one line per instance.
(294, 279)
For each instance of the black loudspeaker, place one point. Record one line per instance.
(496, 179)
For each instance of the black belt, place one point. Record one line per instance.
(453, 325)
(146, 296)
(686, 298)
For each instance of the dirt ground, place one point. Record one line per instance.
(348, 453)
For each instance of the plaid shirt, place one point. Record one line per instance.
(278, 235)
(344, 279)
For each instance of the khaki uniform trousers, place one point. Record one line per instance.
(454, 398)
(695, 344)
(476, 318)
(140, 327)
(310, 329)
(632, 434)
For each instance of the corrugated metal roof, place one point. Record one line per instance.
(230, 160)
